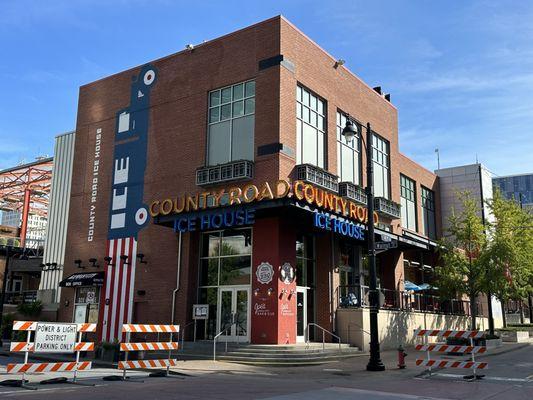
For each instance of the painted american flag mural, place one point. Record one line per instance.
(128, 214)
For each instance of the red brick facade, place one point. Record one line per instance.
(177, 143)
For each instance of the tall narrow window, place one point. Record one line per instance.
(380, 157)
(231, 123)
(348, 154)
(428, 213)
(310, 128)
(408, 201)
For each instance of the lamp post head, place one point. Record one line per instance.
(349, 131)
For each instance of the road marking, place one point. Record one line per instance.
(494, 378)
(332, 370)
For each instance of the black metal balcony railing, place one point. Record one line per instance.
(26, 296)
(232, 171)
(353, 192)
(356, 296)
(32, 247)
(317, 176)
(387, 208)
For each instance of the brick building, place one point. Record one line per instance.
(233, 147)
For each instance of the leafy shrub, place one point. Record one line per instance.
(30, 309)
(7, 324)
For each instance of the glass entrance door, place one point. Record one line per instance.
(234, 313)
(301, 313)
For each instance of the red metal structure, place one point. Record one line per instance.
(26, 188)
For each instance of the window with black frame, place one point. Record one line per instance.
(348, 153)
(428, 213)
(381, 161)
(408, 202)
(231, 123)
(310, 128)
(305, 278)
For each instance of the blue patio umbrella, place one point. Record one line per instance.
(411, 286)
(427, 286)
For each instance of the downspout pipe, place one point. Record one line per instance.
(177, 288)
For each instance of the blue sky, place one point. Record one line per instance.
(460, 72)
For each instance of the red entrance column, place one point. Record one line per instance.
(273, 314)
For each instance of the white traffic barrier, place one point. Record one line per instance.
(450, 333)
(51, 337)
(48, 367)
(146, 364)
(128, 346)
(440, 347)
(451, 364)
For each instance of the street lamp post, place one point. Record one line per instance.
(374, 363)
(3, 296)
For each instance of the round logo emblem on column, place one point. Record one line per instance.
(286, 273)
(264, 273)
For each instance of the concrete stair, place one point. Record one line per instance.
(270, 355)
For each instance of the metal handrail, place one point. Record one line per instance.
(324, 331)
(237, 325)
(182, 333)
(215, 340)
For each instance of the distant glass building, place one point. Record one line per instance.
(518, 187)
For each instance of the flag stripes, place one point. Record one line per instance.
(149, 346)
(148, 364)
(48, 367)
(450, 333)
(451, 364)
(120, 280)
(450, 348)
(148, 328)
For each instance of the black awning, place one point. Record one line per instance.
(84, 279)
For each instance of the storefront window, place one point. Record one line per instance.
(305, 261)
(86, 304)
(226, 260)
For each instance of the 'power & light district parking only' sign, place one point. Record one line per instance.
(55, 338)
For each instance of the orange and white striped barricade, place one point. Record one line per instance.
(128, 346)
(33, 347)
(445, 348)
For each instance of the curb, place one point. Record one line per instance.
(505, 348)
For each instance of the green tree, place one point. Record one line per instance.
(461, 251)
(510, 251)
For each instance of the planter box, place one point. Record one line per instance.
(515, 337)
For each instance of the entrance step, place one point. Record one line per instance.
(270, 355)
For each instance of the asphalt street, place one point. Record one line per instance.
(510, 376)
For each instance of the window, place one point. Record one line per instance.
(305, 261)
(348, 154)
(380, 157)
(86, 304)
(226, 258)
(408, 201)
(310, 128)
(428, 213)
(231, 124)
